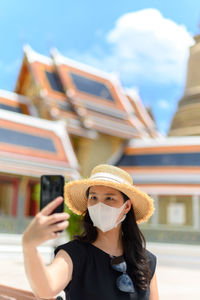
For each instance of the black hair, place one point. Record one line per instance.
(134, 245)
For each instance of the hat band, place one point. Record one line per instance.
(110, 177)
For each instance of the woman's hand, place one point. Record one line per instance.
(43, 228)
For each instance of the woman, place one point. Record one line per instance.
(108, 260)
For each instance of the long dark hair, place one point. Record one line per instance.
(133, 242)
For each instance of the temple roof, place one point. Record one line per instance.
(87, 98)
(165, 161)
(32, 146)
(16, 103)
(142, 117)
(97, 97)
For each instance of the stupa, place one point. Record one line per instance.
(186, 121)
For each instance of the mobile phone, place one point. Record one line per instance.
(52, 186)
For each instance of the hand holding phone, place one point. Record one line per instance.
(45, 225)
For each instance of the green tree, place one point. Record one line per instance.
(74, 227)
(36, 195)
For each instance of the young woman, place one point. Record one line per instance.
(108, 260)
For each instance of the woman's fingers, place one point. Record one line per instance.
(59, 226)
(57, 217)
(44, 225)
(47, 210)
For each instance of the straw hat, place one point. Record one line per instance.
(114, 177)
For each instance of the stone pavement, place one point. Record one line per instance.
(178, 271)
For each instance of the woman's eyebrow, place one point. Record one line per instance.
(107, 194)
(110, 194)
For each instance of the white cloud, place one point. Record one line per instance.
(145, 49)
(145, 44)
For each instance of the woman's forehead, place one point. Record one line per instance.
(103, 189)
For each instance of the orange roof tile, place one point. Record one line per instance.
(29, 142)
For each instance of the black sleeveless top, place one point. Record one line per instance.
(93, 278)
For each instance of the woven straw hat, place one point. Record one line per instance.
(114, 177)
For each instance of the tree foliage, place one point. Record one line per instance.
(74, 227)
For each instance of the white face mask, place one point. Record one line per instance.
(104, 216)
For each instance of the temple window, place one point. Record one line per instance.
(90, 86)
(54, 81)
(11, 108)
(175, 210)
(27, 140)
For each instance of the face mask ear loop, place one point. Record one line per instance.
(123, 218)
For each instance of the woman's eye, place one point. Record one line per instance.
(109, 199)
(92, 198)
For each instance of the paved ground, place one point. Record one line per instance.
(178, 271)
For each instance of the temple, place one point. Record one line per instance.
(65, 117)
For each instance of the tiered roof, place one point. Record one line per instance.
(16, 103)
(32, 147)
(156, 164)
(142, 117)
(90, 100)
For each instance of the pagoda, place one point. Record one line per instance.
(186, 121)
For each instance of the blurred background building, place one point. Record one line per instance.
(65, 117)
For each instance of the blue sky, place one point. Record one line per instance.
(144, 42)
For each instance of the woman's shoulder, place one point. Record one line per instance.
(74, 246)
(152, 261)
(150, 255)
(76, 250)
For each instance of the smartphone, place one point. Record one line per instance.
(52, 186)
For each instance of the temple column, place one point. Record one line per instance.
(155, 216)
(196, 211)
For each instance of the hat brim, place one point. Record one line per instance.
(76, 200)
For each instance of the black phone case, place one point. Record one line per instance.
(52, 186)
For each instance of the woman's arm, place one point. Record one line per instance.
(154, 289)
(46, 281)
